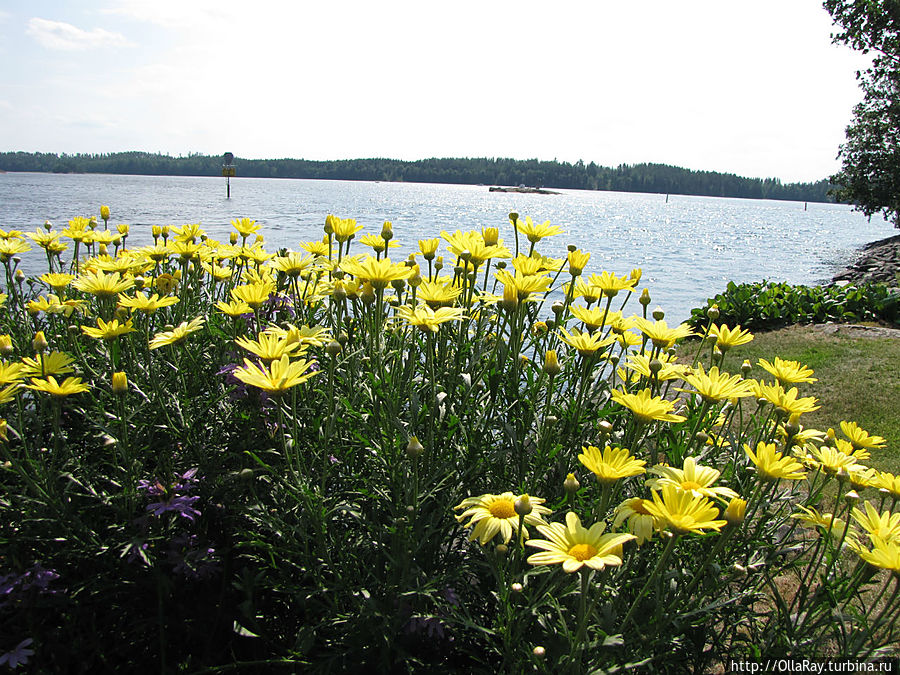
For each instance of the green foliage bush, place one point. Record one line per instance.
(769, 304)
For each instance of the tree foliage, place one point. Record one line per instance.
(870, 171)
(653, 178)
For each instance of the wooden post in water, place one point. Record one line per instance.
(228, 172)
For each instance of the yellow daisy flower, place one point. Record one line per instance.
(426, 319)
(659, 333)
(788, 372)
(575, 546)
(715, 386)
(860, 438)
(108, 331)
(611, 464)
(50, 363)
(586, 344)
(102, 284)
(647, 407)
(694, 478)
(609, 284)
(268, 347)
(141, 303)
(682, 513)
(493, 514)
(884, 525)
(49, 385)
(536, 232)
(726, 337)
(885, 555)
(178, 334)
(641, 523)
(772, 465)
(279, 376)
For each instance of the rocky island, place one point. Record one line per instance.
(524, 190)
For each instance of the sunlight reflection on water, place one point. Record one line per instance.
(689, 248)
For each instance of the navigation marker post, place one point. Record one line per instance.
(228, 172)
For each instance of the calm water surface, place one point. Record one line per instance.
(689, 248)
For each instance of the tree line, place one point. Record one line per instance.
(654, 178)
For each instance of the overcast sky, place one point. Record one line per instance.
(753, 88)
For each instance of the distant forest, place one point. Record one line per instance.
(658, 178)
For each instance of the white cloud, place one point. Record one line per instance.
(66, 37)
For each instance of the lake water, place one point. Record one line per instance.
(688, 247)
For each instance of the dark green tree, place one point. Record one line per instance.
(870, 159)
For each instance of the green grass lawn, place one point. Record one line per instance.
(858, 379)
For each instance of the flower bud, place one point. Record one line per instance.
(4, 430)
(104, 213)
(736, 511)
(746, 367)
(48, 225)
(571, 484)
(636, 275)
(645, 297)
(119, 384)
(368, 293)
(39, 343)
(414, 448)
(523, 505)
(333, 348)
(329, 224)
(491, 235)
(557, 307)
(551, 363)
(551, 420)
(516, 587)
(539, 652)
(6, 346)
(20, 277)
(510, 298)
(387, 231)
(233, 238)
(658, 314)
(513, 217)
(655, 366)
(852, 496)
(604, 428)
(501, 549)
(713, 313)
(123, 229)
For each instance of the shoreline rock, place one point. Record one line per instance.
(877, 262)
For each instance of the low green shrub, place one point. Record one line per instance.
(769, 304)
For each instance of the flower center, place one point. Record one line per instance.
(690, 485)
(582, 552)
(502, 509)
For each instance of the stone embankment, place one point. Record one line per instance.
(877, 262)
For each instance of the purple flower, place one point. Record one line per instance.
(190, 559)
(171, 500)
(18, 656)
(182, 505)
(38, 577)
